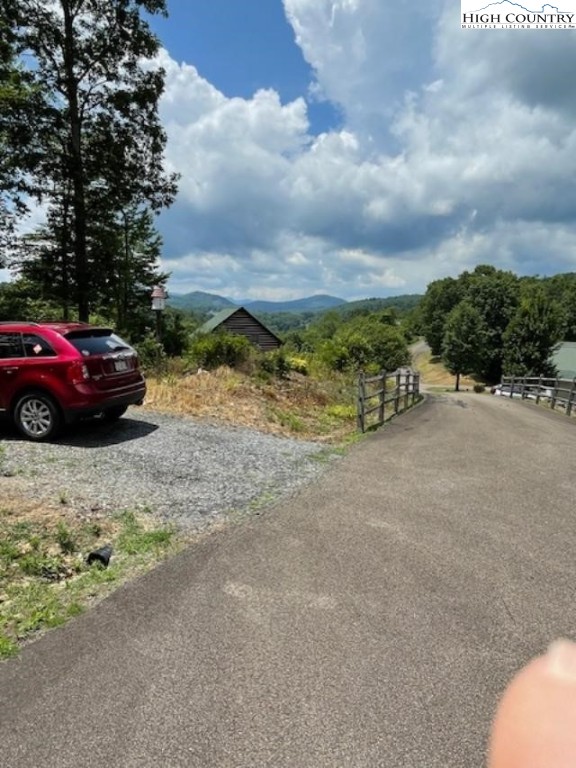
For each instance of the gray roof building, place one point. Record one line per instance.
(564, 358)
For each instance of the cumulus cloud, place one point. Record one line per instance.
(457, 147)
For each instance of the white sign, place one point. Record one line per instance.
(477, 14)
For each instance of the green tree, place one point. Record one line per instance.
(562, 289)
(495, 294)
(17, 134)
(464, 342)
(97, 135)
(532, 334)
(366, 342)
(440, 299)
(19, 300)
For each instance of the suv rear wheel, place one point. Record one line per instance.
(37, 416)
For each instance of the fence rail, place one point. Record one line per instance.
(556, 392)
(386, 395)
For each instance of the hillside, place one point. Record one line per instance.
(198, 301)
(318, 303)
(402, 304)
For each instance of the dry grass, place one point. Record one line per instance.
(434, 374)
(296, 406)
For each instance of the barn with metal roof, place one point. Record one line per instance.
(241, 322)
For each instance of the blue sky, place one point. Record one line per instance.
(241, 46)
(362, 147)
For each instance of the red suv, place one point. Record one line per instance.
(54, 373)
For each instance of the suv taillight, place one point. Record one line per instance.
(77, 373)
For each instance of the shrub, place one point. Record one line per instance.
(298, 364)
(276, 363)
(213, 350)
(479, 388)
(151, 353)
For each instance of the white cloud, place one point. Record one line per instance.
(458, 147)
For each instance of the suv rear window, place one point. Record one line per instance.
(97, 341)
(11, 345)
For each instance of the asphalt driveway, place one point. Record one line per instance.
(371, 620)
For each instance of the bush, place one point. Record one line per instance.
(298, 364)
(479, 388)
(213, 350)
(275, 363)
(151, 353)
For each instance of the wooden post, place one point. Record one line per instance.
(554, 394)
(539, 389)
(511, 386)
(397, 394)
(382, 397)
(361, 401)
(406, 389)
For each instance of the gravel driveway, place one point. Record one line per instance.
(183, 470)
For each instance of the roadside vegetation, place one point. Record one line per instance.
(435, 376)
(307, 388)
(44, 575)
(489, 322)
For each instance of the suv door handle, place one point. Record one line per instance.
(11, 370)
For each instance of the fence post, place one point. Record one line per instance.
(406, 388)
(511, 386)
(397, 394)
(382, 397)
(539, 389)
(571, 397)
(554, 394)
(361, 401)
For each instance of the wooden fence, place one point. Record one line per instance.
(385, 395)
(556, 392)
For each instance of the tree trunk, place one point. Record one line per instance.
(457, 387)
(65, 244)
(76, 168)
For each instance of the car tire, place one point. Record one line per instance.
(114, 413)
(37, 416)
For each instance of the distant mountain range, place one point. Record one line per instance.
(210, 303)
(198, 301)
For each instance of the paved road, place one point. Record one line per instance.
(370, 621)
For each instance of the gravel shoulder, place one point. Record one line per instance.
(185, 471)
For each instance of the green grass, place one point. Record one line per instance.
(44, 578)
(286, 419)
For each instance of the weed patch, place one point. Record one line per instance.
(44, 577)
(315, 405)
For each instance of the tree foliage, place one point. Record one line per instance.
(532, 334)
(522, 320)
(495, 294)
(368, 342)
(440, 299)
(464, 342)
(96, 154)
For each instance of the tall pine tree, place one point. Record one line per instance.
(98, 139)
